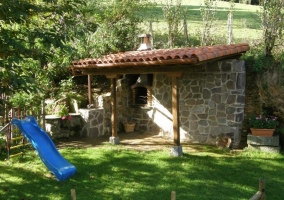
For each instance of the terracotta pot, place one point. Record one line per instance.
(262, 132)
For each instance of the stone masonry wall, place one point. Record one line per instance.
(93, 122)
(212, 100)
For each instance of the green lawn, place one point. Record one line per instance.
(113, 172)
(246, 22)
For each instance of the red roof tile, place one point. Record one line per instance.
(162, 56)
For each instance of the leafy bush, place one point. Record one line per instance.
(59, 108)
(23, 100)
(256, 60)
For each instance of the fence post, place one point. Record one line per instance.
(173, 195)
(152, 33)
(73, 194)
(185, 29)
(262, 188)
(260, 195)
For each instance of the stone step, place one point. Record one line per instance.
(264, 143)
(269, 149)
(263, 140)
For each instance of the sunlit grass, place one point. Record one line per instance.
(246, 22)
(113, 172)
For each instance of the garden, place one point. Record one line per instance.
(39, 41)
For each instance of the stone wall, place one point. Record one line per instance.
(57, 127)
(86, 123)
(212, 100)
(93, 122)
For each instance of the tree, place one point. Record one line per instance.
(172, 12)
(208, 13)
(272, 17)
(34, 39)
(39, 39)
(117, 26)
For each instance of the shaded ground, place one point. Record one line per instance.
(135, 140)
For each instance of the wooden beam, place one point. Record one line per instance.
(112, 75)
(175, 111)
(113, 108)
(135, 70)
(174, 74)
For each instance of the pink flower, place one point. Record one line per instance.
(64, 117)
(69, 117)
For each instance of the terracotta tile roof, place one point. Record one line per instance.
(192, 55)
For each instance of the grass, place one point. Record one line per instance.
(113, 172)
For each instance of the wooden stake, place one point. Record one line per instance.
(173, 195)
(73, 194)
(260, 194)
(262, 188)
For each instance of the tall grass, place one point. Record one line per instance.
(113, 172)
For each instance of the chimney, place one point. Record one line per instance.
(145, 42)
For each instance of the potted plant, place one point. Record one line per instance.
(263, 125)
(129, 124)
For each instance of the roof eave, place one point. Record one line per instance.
(162, 66)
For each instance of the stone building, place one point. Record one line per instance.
(191, 94)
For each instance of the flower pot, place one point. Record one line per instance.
(262, 132)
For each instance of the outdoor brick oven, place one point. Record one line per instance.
(142, 91)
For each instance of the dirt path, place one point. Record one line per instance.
(134, 140)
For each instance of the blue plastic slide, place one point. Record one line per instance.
(45, 147)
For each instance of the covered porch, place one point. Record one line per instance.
(173, 64)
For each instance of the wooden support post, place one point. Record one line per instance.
(113, 108)
(175, 108)
(90, 89)
(113, 139)
(73, 194)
